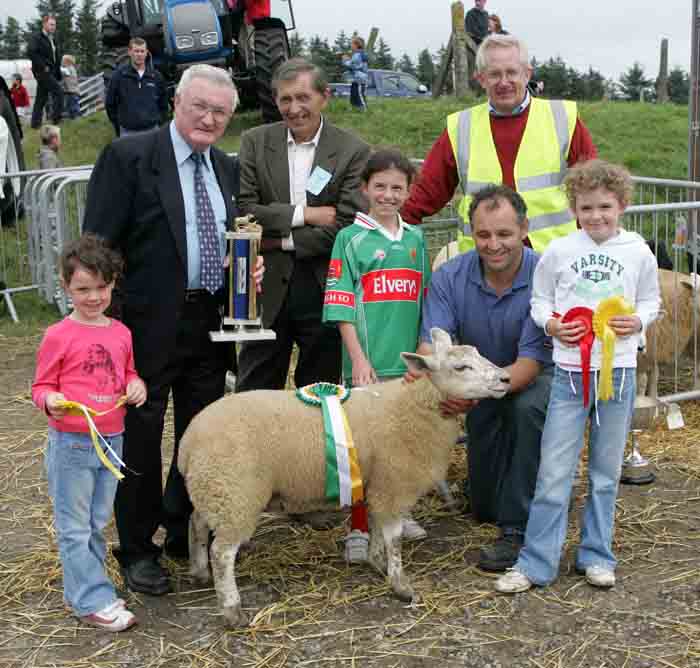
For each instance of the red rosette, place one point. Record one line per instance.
(585, 316)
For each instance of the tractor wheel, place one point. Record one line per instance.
(11, 204)
(111, 59)
(271, 50)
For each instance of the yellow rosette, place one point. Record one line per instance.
(76, 408)
(608, 308)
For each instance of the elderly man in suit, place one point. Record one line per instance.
(301, 179)
(164, 199)
(46, 67)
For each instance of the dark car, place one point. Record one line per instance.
(386, 83)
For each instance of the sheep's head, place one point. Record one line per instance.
(459, 371)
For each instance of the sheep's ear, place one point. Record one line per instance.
(441, 340)
(420, 363)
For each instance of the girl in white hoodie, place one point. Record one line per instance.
(599, 261)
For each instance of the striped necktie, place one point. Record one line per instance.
(210, 263)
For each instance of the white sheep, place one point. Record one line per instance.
(672, 333)
(245, 449)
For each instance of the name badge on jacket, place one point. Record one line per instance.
(318, 180)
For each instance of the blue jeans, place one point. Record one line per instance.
(82, 491)
(562, 441)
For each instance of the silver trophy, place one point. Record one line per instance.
(242, 316)
(636, 469)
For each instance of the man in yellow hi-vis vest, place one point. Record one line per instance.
(512, 139)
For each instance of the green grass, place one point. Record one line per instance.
(651, 140)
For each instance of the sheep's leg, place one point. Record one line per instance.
(390, 527)
(199, 544)
(377, 554)
(223, 561)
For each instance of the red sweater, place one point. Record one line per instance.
(19, 96)
(439, 176)
(89, 364)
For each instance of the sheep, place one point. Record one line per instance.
(671, 333)
(244, 449)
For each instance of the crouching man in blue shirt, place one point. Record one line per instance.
(482, 298)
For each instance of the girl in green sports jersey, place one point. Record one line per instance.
(377, 277)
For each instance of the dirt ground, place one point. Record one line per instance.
(310, 609)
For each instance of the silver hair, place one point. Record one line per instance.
(214, 75)
(501, 42)
(48, 132)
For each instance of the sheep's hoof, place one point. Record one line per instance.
(235, 617)
(402, 588)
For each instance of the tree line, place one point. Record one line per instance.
(77, 31)
(78, 34)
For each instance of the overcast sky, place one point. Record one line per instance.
(609, 36)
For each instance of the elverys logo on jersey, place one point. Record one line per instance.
(386, 285)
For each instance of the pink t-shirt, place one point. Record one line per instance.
(89, 364)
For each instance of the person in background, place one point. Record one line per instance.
(71, 89)
(357, 65)
(476, 22)
(20, 95)
(136, 99)
(50, 137)
(495, 25)
(600, 261)
(377, 328)
(46, 66)
(86, 358)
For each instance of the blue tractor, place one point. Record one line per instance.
(247, 37)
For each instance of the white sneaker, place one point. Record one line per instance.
(512, 582)
(115, 617)
(411, 530)
(357, 547)
(599, 576)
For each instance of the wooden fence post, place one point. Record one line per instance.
(662, 81)
(445, 69)
(459, 51)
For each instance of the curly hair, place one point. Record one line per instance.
(92, 254)
(593, 174)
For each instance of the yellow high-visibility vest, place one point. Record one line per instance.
(540, 166)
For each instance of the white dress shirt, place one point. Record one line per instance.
(301, 159)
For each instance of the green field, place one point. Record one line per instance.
(651, 140)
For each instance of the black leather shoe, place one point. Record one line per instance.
(502, 554)
(177, 547)
(147, 577)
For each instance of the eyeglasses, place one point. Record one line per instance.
(217, 113)
(494, 76)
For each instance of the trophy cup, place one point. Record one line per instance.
(636, 469)
(241, 320)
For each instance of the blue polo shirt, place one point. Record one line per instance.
(461, 302)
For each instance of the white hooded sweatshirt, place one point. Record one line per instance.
(577, 271)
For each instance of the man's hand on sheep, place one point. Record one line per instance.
(625, 325)
(448, 407)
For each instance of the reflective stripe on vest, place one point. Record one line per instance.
(539, 168)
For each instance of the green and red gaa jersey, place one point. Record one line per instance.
(378, 283)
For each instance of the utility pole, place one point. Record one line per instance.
(694, 101)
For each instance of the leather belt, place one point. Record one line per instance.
(198, 296)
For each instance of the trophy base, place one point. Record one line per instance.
(240, 334)
(637, 475)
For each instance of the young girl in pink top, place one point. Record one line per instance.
(86, 358)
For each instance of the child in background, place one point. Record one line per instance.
(50, 137)
(20, 95)
(88, 358)
(599, 261)
(377, 276)
(71, 88)
(357, 65)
